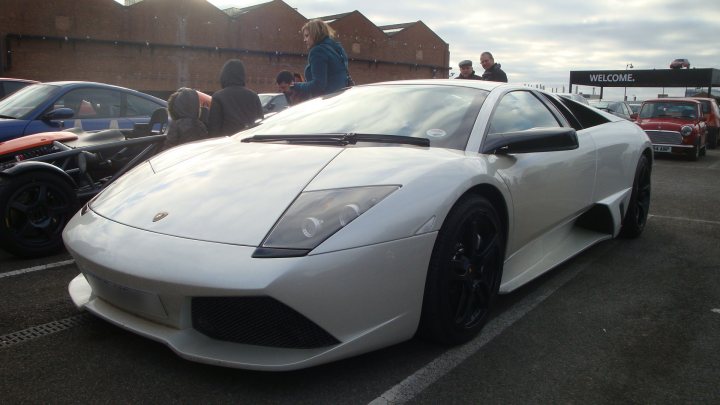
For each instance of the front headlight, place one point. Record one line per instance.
(686, 130)
(316, 215)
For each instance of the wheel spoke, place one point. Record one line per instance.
(19, 206)
(26, 229)
(462, 303)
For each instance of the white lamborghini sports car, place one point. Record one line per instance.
(357, 220)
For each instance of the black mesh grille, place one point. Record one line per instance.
(261, 321)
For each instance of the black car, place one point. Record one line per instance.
(46, 177)
(618, 108)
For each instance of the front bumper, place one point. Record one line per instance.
(365, 298)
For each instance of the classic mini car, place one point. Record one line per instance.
(675, 126)
(356, 220)
(10, 85)
(679, 64)
(54, 106)
(45, 178)
(618, 108)
(712, 119)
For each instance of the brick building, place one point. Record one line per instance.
(158, 46)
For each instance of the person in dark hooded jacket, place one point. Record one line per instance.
(185, 126)
(234, 107)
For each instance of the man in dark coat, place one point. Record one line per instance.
(234, 107)
(492, 69)
(184, 109)
(467, 72)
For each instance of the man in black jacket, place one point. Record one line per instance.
(234, 107)
(492, 69)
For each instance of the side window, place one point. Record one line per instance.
(520, 111)
(92, 103)
(140, 107)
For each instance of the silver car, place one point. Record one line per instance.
(357, 220)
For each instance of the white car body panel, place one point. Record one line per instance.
(244, 217)
(364, 284)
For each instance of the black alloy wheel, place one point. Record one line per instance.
(464, 274)
(637, 213)
(35, 208)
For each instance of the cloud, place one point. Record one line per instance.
(543, 42)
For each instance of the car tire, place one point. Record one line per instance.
(464, 272)
(636, 215)
(35, 207)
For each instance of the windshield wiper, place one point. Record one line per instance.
(340, 139)
(7, 116)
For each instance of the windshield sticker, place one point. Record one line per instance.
(436, 133)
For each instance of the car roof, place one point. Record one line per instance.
(481, 84)
(15, 79)
(673, 99)
(78, 83)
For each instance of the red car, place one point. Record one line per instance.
(712, 119)
(675, 126)
(679, 64)
(10, 85)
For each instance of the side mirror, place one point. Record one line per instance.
(634, 116)
(531, 141)
(59, 114)
(703, 118)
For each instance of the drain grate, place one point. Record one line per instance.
(39, 331)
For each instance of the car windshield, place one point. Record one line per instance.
(603, 105)
(444, 115)
(669, 110)
(635, 107)
(265, 98)
(22, 103)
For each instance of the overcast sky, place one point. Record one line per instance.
(541, 43)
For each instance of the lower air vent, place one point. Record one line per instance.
(261, 321)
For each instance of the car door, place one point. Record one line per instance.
(137, 109)
(547, 188)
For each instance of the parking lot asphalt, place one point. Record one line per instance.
(627, 321)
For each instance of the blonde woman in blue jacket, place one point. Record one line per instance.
(327, 70)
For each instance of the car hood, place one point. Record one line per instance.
(224, 191)
(664, 124)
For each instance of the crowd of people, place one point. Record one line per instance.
(235, 107)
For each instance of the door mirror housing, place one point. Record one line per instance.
(531, 141)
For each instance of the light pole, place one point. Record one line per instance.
(627, 66)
